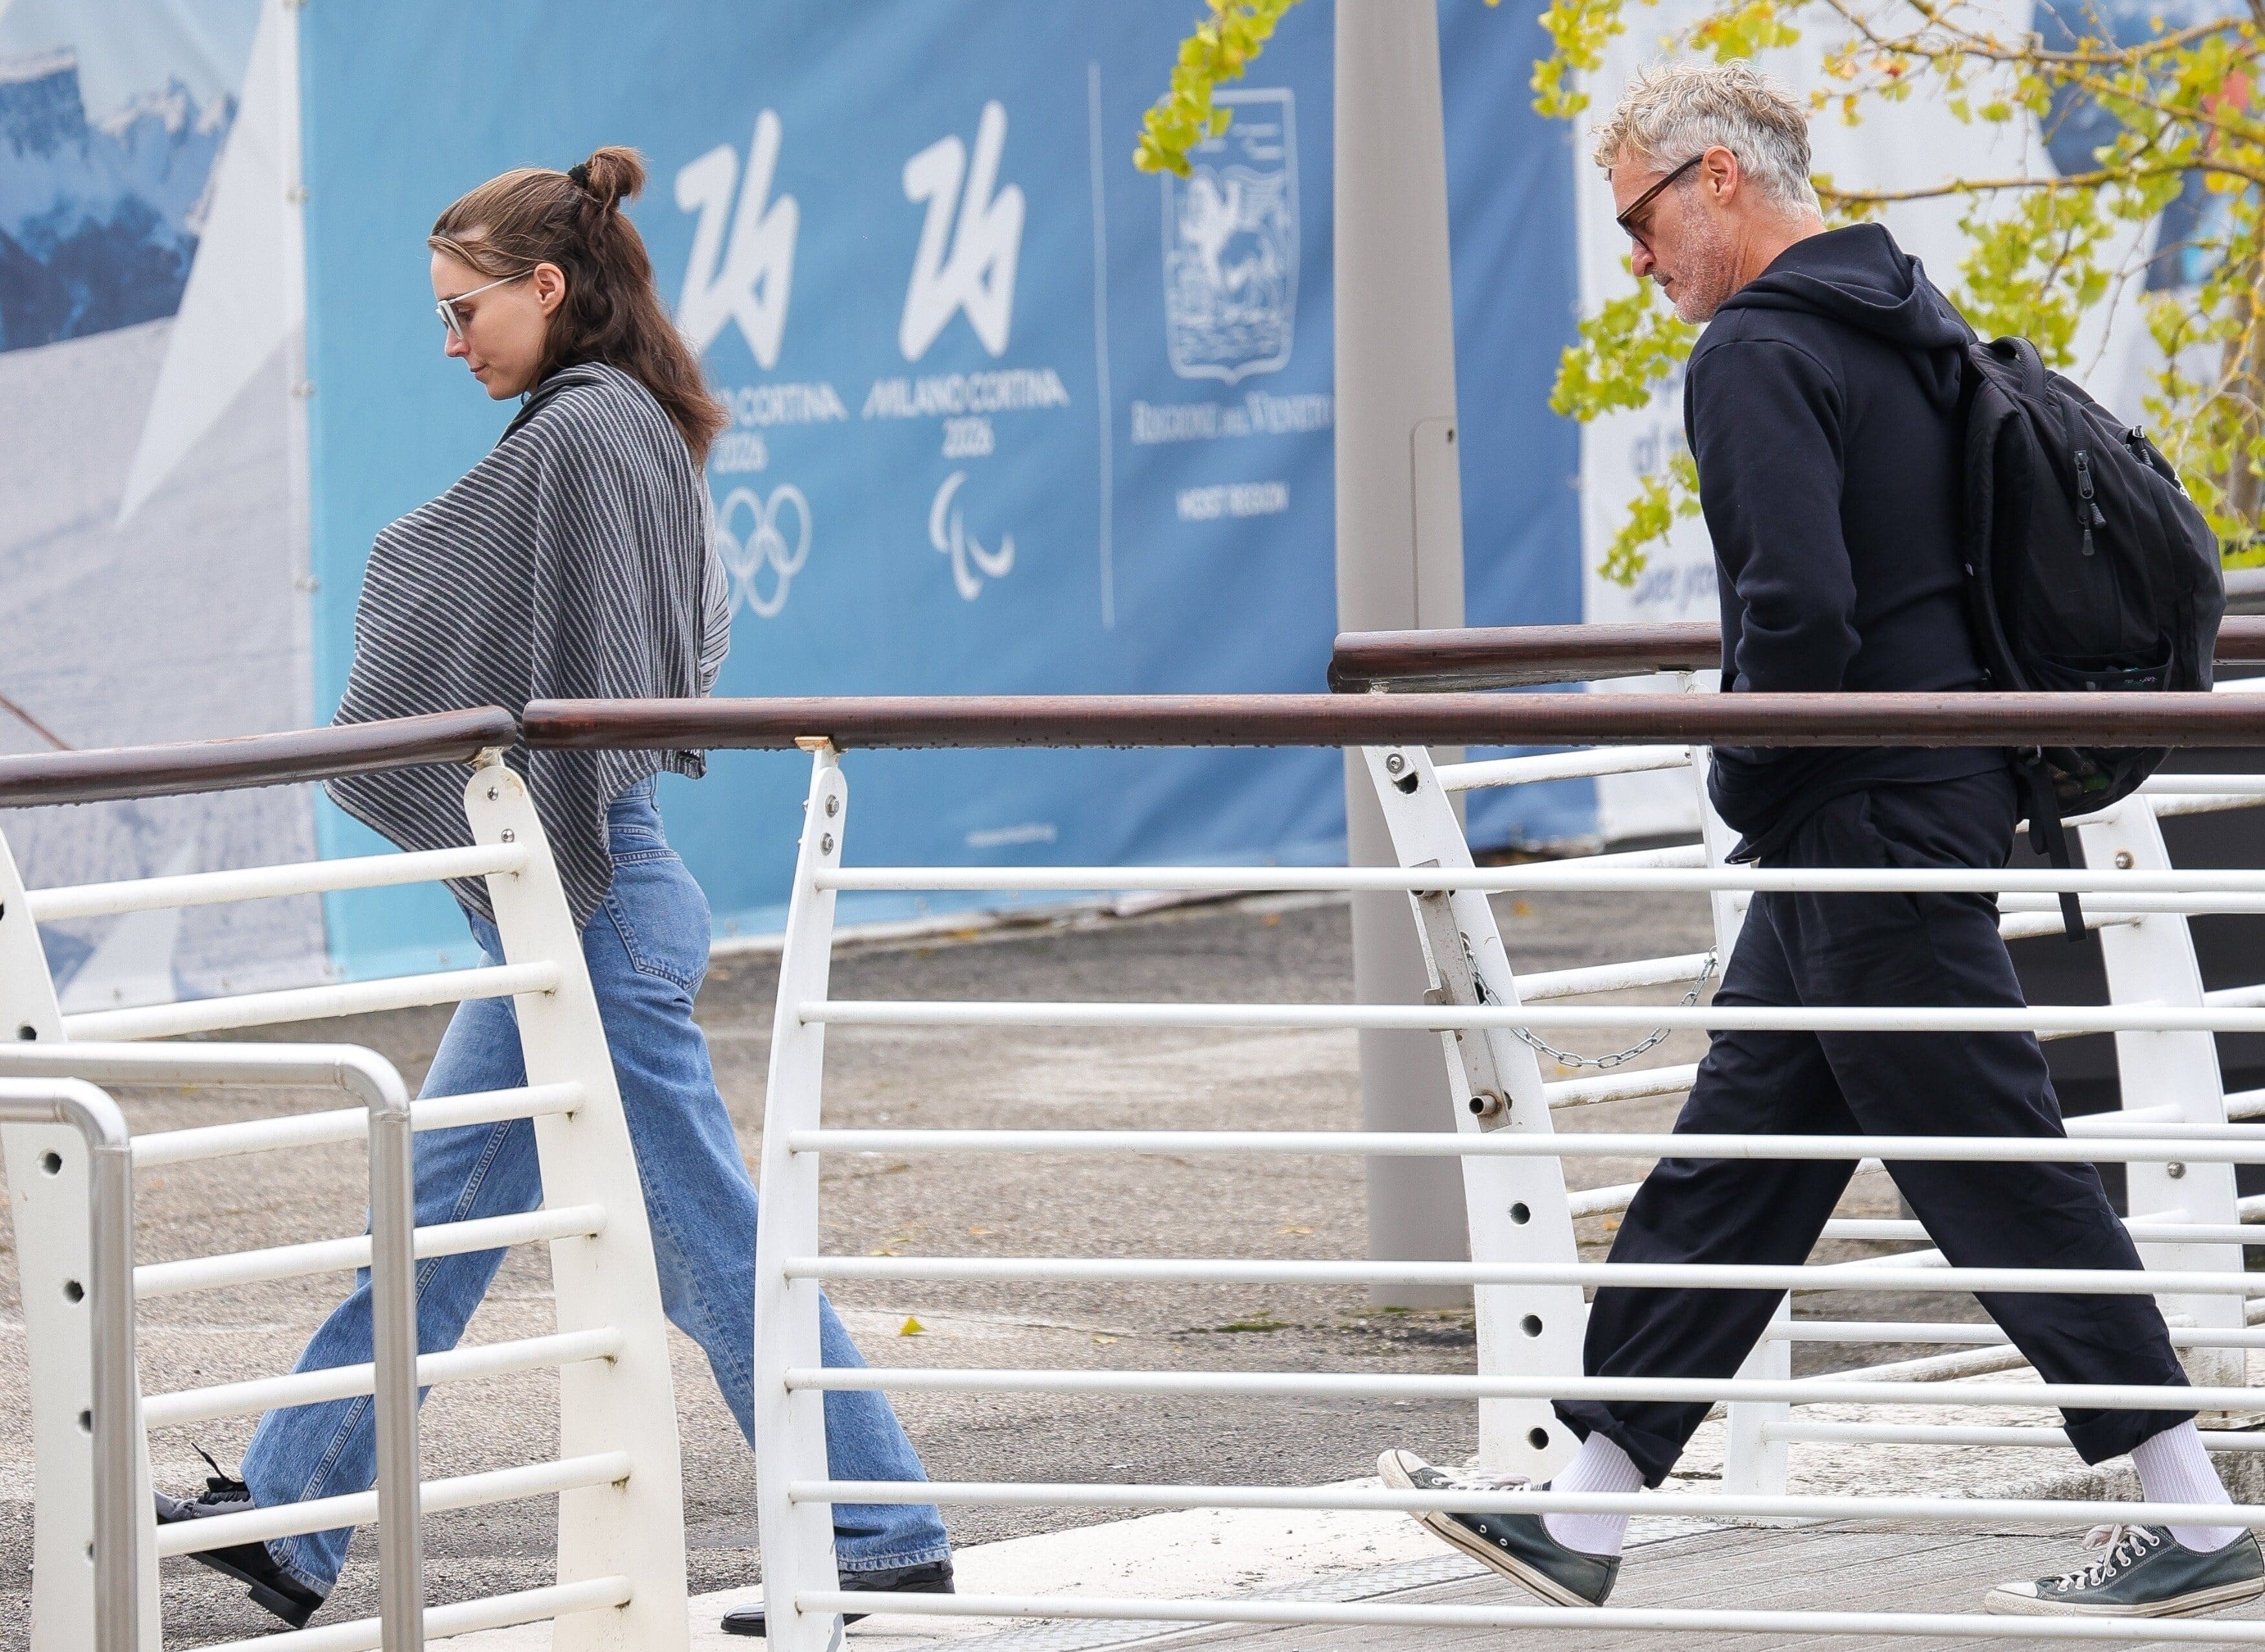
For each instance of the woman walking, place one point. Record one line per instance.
(573, 562)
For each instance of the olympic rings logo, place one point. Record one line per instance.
(765, 544)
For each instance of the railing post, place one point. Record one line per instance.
(393, 1349)
(2151, 961)
(119, 1479)
(797, 1539)
(1515, 1207)
(634, 1528)
(1754, 1456)
(125, 1523)
(50, 1184)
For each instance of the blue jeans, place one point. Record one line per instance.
(647, 951)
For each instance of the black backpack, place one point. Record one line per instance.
(2088, 568)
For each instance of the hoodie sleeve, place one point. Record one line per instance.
(1765, 419)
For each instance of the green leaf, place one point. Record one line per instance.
(1621, 352)
(1220, 49)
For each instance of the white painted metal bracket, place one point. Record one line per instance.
(2151, 961)
(1517, 1207)
(797, 1537)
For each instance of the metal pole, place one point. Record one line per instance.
(393, 1308)
(117, 1391)
(1400, 545)
(109, 1293)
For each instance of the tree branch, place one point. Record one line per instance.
(2241, 132)
(2073, 180)
(1989, 47)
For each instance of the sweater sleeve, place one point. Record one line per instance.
(1766, 429)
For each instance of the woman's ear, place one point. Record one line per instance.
(548, 282)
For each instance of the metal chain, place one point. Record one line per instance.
(1602, 1063)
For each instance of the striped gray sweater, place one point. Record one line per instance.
(573, 562)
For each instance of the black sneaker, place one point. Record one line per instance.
(249, 1563)
(932, 1578)
(1518, 1545)
(2140, 1571)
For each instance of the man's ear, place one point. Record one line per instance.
(1719, 167)
(549, 284)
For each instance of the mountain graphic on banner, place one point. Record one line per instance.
(99, 221)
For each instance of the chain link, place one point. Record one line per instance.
(1602, 1063)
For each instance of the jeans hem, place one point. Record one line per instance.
(281, 1550)
(925, 1556)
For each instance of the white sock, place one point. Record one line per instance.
(1601, 1465)
(2174, 1467)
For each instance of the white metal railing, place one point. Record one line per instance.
(2150, 960)
(103, 1531)
(1527, 1282)
(616, 1479)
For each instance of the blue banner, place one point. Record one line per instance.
(1007, 415)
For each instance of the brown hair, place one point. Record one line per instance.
(611, 312)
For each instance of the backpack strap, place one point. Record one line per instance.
(2048, 837)
(2032, 364)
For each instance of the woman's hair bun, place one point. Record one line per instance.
(611, 175)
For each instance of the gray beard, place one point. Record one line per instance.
(1710, 266)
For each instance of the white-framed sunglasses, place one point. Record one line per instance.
(453, 320)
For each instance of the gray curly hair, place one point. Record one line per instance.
(1674, 111)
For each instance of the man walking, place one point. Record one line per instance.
(1821, 407)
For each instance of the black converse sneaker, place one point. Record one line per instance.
(1518, 1545)
(2140, 1571)
(249, 1563)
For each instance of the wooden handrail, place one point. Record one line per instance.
(1142, 720)
(251, 759)
(1443, 719)
(1520, 656)
(1517, 656)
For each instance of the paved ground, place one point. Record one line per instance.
(1825, 1567)
(1003, 1204)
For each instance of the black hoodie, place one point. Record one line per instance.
(1822, 406)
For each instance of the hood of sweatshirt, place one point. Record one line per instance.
(1860, 277)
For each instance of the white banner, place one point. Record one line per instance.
(153, 544)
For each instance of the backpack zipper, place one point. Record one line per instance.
(2085, 509)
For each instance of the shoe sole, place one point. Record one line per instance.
(2203, 1600)
(762, 1634)
(1509, 1566)
(264, 1595)
(757, 1621)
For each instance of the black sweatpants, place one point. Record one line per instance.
(1853, 949)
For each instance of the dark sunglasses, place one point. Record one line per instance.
(1626, 220)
